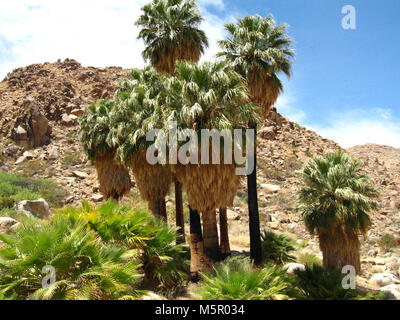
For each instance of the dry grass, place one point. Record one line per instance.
(32, 168)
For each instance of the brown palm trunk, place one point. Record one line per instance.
(180, 222)
(158, 209)
(340, 248)
(254, 218)
(210, 235)
(224, 234)
(197, 258)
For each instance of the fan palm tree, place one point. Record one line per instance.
(113, 177)
(258, 49)
(208, 96)
(170, 31)
(335, 203)
(137, 112)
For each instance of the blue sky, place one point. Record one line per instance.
(345, 83)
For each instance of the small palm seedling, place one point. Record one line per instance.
(240, 281)
(277, 247)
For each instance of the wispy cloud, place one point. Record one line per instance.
(362, 126)
(287, 105)
(94, 32)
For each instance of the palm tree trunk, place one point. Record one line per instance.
(163, 210)
(197, 258)
(210, 235)
(340, 248)
(224, 234)
(154, 207)
(180, 222)
(254, 218)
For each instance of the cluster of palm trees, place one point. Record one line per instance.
(235, 91)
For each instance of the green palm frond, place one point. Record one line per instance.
(336, 193)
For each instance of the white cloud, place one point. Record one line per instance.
(362, 126)
(94, 32)
(286, 105)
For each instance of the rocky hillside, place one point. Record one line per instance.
(39, 106)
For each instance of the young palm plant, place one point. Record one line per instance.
(335, 203)
(170, 31)
(208, 96)
(258, 49)
(85, 267)
(113, 177)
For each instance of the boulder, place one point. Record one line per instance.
(268, 133)
(31, 129)
(290, 267)
(38, 208)
(8, 224)
(68, 120)
(384, 279)
(392, 290)
(271, 188)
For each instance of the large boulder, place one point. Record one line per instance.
(393, 291)
(291, 267)
(384, 279)
(8, 224)
(31, 129)
(38, 208)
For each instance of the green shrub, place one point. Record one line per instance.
(31, 168)
(318, 283)
(277, 247)
(238, 280)
(85, 267)
(387, 241)
(164, 263)
(309, 259)
(71, 159)
(15, 188)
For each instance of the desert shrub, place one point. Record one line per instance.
(31, 168)
(387, 241)
(309, 259)
(16, 188)
(318, 283)
(277, 247)
(71, 159)
(86, 268)
(238, 280)
(163, 262)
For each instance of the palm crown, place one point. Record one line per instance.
(95, 127)
(258, 49)
(208, 96)
(170, 32)
(336, 194)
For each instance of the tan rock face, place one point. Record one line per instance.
(38, 208)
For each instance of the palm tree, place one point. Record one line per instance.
(258, 49)
(335, 203)
(113, 177)
(170, 31)
(208, 96)
(137, 112)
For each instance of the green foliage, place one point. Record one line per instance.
(309, 259)
(387, 241)
(71, 159)
(169, 28)
(15, 188)
(318, 283)
(239, 280)
(85, 267)
(94, 128)
(163, 262)
(276, 248)
(336, 193)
